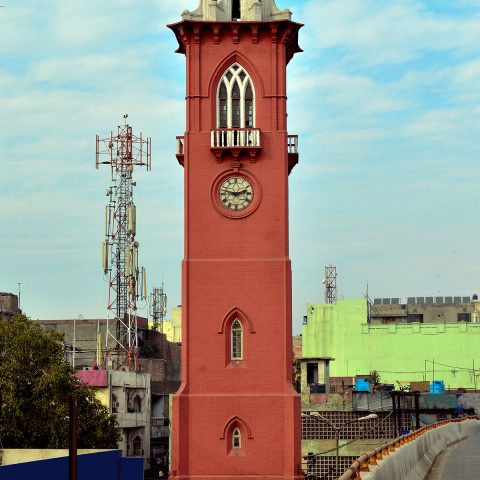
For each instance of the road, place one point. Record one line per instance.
(460, 461)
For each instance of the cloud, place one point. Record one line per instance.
(376, 32)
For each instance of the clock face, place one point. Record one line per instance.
(235, 193)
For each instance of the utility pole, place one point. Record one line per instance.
(72, 438)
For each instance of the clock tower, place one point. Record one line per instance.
(236, 414)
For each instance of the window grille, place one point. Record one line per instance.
(236, 340)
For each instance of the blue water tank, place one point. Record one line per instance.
(361, 385)
(437, 386)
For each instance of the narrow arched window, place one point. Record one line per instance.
(236, 106)
(235, 99)
(236, 12)
(249, 106)
(236, 438)
(237, 340)
(222, 106)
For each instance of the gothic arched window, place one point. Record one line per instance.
(236, 340)
(235, 99)
(236, 438)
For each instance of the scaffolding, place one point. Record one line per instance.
(126, 280)
(330, 284)
(158, 308)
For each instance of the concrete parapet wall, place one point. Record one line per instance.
(414, 460)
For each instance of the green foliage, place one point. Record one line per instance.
(296, 373)
(35, 384)
(375, 377)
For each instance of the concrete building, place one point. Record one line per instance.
(173, 328)
(8, 305)
(400, 352)
(425, 310)
(128, 395)
(90, 339)
(163, 368)
(297, 347)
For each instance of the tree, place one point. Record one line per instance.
(296, 373)
(35, 384)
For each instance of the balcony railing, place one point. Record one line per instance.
(292, 144)
(235, 137)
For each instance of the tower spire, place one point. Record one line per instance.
(237, 10)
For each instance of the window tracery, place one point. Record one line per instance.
(235, 99)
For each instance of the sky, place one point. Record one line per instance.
(385, 100)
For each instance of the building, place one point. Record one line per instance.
(89, 339)
(425, 310)
(8, 305)
(128, 395)
(159, 373)
(400, 352)
(236, 414)
(173, 328)
(297, 347)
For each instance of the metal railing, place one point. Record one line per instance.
(235, 137)
(292, 143)
(362, 463)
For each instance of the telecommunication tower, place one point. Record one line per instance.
(127, 281)
(158, 308)
(330, 284)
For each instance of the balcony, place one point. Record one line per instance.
(292, 149)
(235, 137)
(180, 150)
(235, 140)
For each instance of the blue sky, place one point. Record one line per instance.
(385, 99)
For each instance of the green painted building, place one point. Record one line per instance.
(399, 352)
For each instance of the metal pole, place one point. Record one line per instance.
(72, 442)
(400, 412)
(417, 410)
(474, 375)
(394, 408)
(433, 369)
(74, 324)
(337, 453)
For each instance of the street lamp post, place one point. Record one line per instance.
(337, 429)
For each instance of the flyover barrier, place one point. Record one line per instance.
(410, 456)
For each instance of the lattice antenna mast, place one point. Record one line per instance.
(330, 284)
(158, 308)
(127, 281)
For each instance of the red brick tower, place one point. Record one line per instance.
(236, 415)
